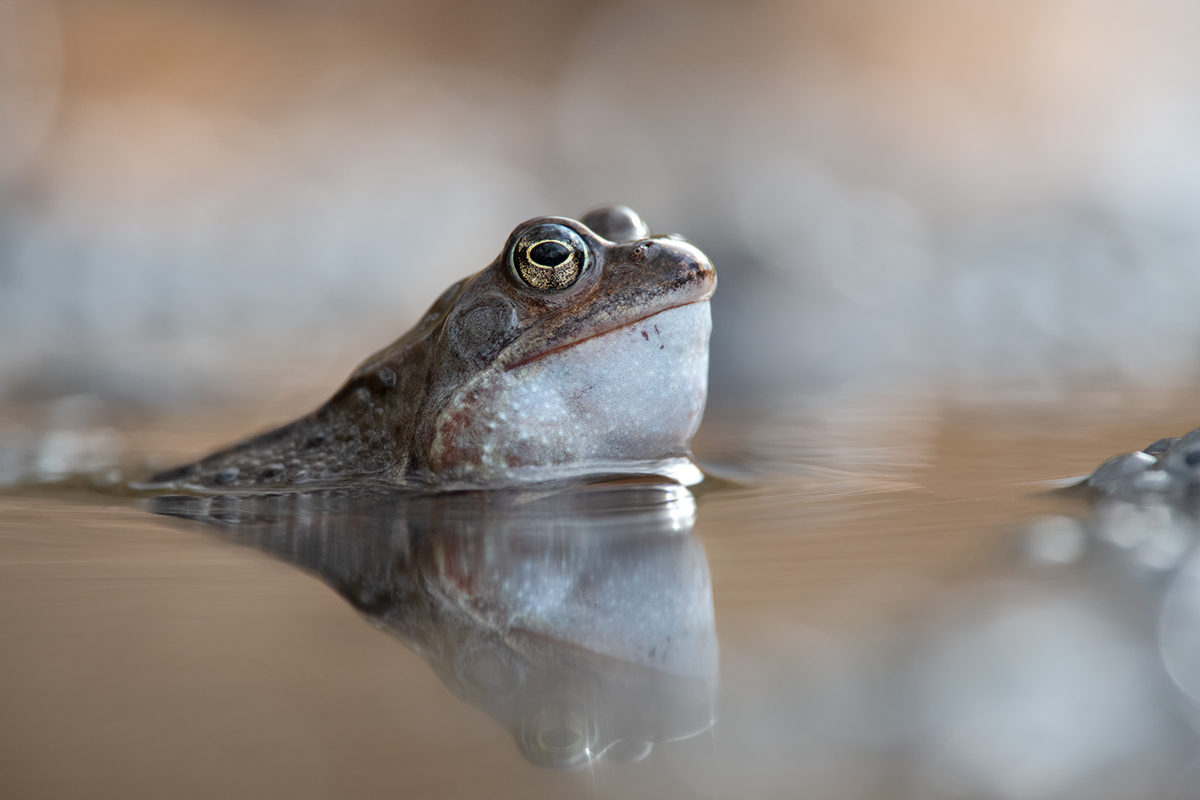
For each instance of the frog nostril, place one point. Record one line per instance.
(642, 253)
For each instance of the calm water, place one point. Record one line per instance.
(876, 598)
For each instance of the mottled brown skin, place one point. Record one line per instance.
(379, 427)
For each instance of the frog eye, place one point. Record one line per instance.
(548, 257)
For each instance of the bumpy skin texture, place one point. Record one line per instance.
(428, 411)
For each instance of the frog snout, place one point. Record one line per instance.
(685, 264)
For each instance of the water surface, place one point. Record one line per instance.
(876, 597)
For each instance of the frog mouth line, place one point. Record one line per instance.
(598, 334)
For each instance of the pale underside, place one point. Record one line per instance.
(627, 401)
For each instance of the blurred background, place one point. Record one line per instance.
(204, 200)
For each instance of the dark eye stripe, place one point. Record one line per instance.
(549, 254)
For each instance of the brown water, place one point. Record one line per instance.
(900, 611)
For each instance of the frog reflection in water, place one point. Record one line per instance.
(582, 349)
(580, 619)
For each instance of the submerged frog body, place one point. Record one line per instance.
(582, 349)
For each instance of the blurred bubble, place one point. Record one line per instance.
(61, 453)
(1132, 524)
(1165, 549)
(1055, 539)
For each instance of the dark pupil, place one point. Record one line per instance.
(550, 254)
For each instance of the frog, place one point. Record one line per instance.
(580, 350)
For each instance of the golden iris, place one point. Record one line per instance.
(549, 257)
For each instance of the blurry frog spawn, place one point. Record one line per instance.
(582, 349)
